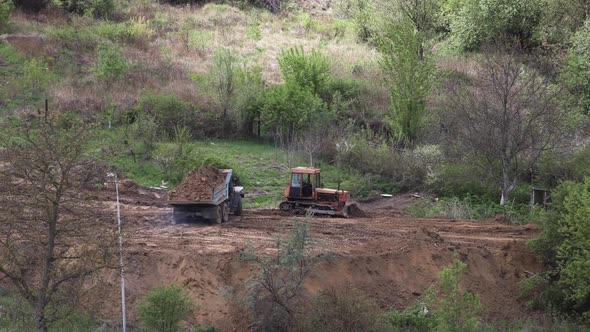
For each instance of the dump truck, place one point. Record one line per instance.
(208, 194)
(306, 194)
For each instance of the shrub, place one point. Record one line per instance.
(278, 290)
(74, 37)
(560, 20)
(275, 6)
(364, 19)
(6, 7)
(476, 22)
(469, 208)
(454, 179)
(453, 309)
(111, 64)
(138, 31)
(163, 308)
(308, 71)
(144, 133)
(165, 156)
(167, 109)
(253, 31)
(341, 309)
(566, 243)
(576, 74)
(286, 109)
(410, 319)
(401, 168)
(34, 6)
(200, 40)
(96, 8)
(36, 77)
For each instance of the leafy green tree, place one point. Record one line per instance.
(453, 309)
(363, 18)
(223, 80)
(163, 308)
(250, 85)
(310, 71)
(476, 22)
(561, 19)
(565, 245)
(286, 109)
(576, 74)
(573, 254)
(409, 73)
(6, 7)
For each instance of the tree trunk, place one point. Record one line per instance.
(42, 297)
(40, 321)
(507, 186)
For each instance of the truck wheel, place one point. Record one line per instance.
(218, 214)
(224, 212)
(180, 216)
(238, 211)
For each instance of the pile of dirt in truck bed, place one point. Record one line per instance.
(198, 185)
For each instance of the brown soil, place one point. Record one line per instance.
(198, 185)
(391, 258)
(26, 44)
(354, 211)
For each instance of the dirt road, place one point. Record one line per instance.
(391, 257)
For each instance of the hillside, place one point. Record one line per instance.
(459, 128)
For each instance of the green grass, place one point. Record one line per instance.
(11, 69)
(262, 168)
(469, 207)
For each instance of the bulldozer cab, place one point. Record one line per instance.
(304, 181)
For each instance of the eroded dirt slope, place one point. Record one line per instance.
(391, 257)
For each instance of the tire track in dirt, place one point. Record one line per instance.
(392, 258)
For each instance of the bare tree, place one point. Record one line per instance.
(312, 140)
(282, 277)
(52, 240)
(505, 117)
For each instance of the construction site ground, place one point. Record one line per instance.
(390, 256)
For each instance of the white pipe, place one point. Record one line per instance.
(121, 256)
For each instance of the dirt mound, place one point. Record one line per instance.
(198, 185)
(354, 211)
(389, 206)
(392, 259)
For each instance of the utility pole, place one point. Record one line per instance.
(123, 309)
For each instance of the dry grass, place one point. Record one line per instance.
(165, 60)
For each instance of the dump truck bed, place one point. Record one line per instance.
(218, 194)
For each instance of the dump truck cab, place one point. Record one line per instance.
(306, 193)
